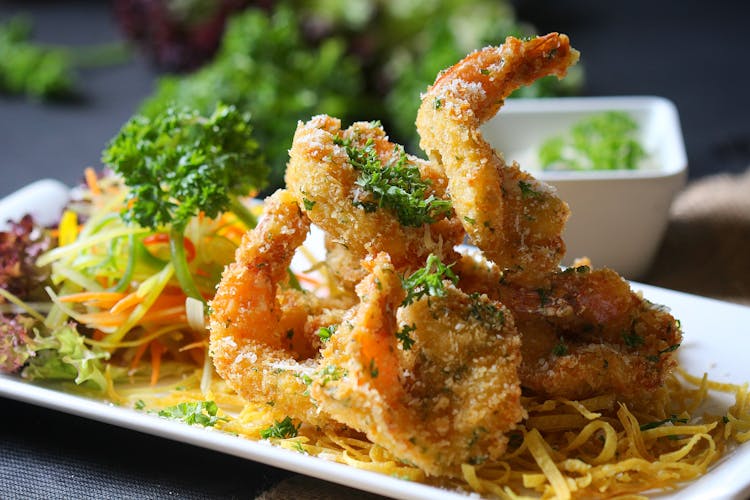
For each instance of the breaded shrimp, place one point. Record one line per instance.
(262, 334)
(513, 218)
(327, 174)
(446, 400)
(583, 332)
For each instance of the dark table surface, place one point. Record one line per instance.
(693, 53)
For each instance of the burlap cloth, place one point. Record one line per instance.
(706, 251)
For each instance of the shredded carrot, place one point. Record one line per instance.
(166, 315)
(138, 355)
(99, 298)
(194, 345)
(127, 302)
(196, 350)
(160, 238)
(92, 181)
(307, 279)
(103, 319)
(233, 233)
(157, 349)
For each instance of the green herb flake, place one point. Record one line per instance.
(428, 281)
(331, 373)
(407, 342)
(326, 332)
(373, 369)
(560, 348)
(527, 191)
(438, 103)
(486, 312)
(633, 340)
(201, 413)
(309, 204)
(671, 420)
(140, 404)
(283, 429)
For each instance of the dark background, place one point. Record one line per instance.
(694, 53)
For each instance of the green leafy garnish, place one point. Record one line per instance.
(403, 336)
(396, 186)
(655, 358)
(331, 373)
(62, 354)
(201, 413)
(179, 163)
(527, 191)
(326, 332)
(281, 429)
(606, 141)
(428, 281)
(486, 312)
(560, 348)
(632, 339)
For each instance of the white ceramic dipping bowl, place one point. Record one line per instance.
(618, 217)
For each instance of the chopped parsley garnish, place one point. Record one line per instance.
(331, 373)
(527, 191)
(632, 339)
(373, 369)
(560, 348)
(281, 429)
(326, 332)
(309, 204)
(140, 404)
(428, 281)
(396, 186)
(201, 413)
(666, 350)
(486, 312)
(543, 296)
(403, 336)
(606, 141)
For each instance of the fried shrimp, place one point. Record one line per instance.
(584, 332)
(263, 334)
(446, 396)
(368, 195)
(513, 218)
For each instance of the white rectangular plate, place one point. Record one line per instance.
(715, 334)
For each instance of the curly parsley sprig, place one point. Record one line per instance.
(180, 163)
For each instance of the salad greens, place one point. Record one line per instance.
(178, 164)
(605, 141)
